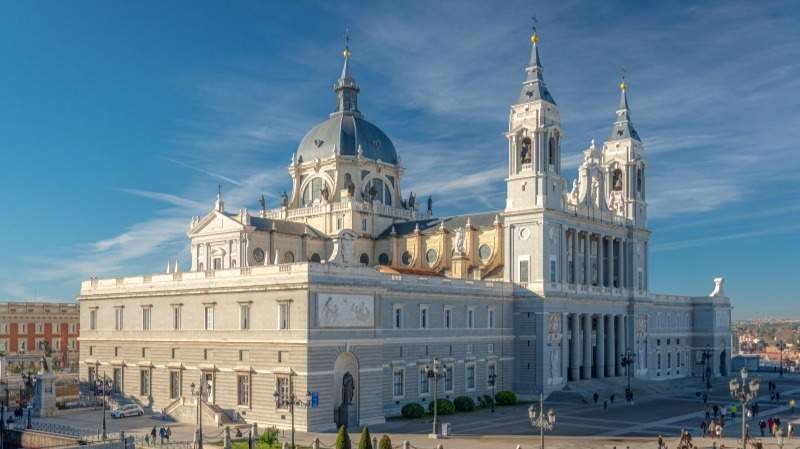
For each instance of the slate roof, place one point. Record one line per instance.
(534, 88)
(282, 226)
(431, 225)
(623, 127)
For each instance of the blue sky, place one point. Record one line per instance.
(119, 119)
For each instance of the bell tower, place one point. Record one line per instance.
(625, 163)
(534, 144)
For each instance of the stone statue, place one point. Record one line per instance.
(348, 389)
(555, 364)
(411, 200)
(284, 200)
(262, 202)
(430, 204)
(459, 242)
(596, 191)
(325, 192)
(349, 185)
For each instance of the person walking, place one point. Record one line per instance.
(777, 396)
(153, 435)
(770, 423)
(162, 433)
(792, 403)
(716, 410)
(612, 398)
(733, 413)
(169, 433)
(703, 426)
(761, 426)
(789, 430)
(596, 397)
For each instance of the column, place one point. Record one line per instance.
(601, 353)
(611, 364)
(620, 342)
(564, 346)
(587, 346)
(574, 256)
(587, 265)
(574, 374)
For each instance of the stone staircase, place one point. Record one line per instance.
(185, 411)
(583, 390)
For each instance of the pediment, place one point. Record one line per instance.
(215, 223)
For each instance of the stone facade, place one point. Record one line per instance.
(348, 290)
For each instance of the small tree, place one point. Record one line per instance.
(366, 440)
(385, 442)
(343, 439)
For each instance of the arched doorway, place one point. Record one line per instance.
(723, 363)
(345, 378)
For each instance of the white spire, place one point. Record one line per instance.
(219, 205)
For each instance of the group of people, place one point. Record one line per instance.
(773, 425)
(164, 433)
(774, 394)
(610, 400)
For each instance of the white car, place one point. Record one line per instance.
(127, 410)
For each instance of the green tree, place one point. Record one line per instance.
(385, 442)
(366, 440)
(343, 439)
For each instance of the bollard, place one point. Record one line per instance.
(255, 430)
(285, 445)
(316, 444)
(406, 444)
(374, 442)
(227, 439)
(519, 446)
(440, 446)
(250, 439)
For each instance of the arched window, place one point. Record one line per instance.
(200, 267)
(639, 179)
(525, 151)
(407, 258)
(658, 361)
(364, 259)
(314, 258)
(383, 259)
(315, 191)
(288, 257)
(616, 180)
(669, 360)
(377, 190)
(551, 151)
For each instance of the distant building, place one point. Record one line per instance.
(27, 329)
(349, 289)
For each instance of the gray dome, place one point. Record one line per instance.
(346, 131)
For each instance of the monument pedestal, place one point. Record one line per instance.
(459, 269)
(44, 404)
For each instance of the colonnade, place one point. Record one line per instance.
(595, 345)
(595, 259)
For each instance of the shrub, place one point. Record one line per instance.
(269, 436)
(385, 442)
(443, 407)
(366, 440)
(505, 398)
(413, 410)
(464, 404)
(343, 439)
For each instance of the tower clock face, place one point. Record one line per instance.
(258, 255)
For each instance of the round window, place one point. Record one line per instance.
(315, 258)
(431, 256)
(383, 259)
(258, 255)
(406, 258)
(524, 233)
(485, 252)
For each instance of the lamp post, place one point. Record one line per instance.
(291, 400)
(627, 361)
(540, 420)
(492, 382)
(707, 354)
(434, 373)
(105, 385)
(744, 392)
(781, 346)
(200, 393)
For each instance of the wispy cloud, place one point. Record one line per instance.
(702, 241)
(168, 198)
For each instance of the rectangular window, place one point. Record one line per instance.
(448, 378)
(39, 328)
(339, 223)
(283, 356)
(92, 319)
(448, 318)
(470, 318)
(364, 225)
(398, 382)
(118, 315)
(116, 351)
(284, 315)
(553, 272)
(244, 316)
(243, 390)
(398, 317)
(176, 317)
(173, 353)
(470, 376)
(145, 353)
(490, 319)
(423, 317)
(424, 385)
(524, 272)
(91, 349)
(282, 387)
(22, 345)
(146, 312)
(23, 328)
(209, 317)
(144, 382)
(217, 263)
(174, 384)
(491, 348)
(469, 348)
(73, 328)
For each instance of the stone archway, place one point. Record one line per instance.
(346, 390)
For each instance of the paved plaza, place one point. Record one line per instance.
(578, 425)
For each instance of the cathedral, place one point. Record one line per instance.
(347, 294)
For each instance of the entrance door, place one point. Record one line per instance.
(209, 380)
(117, 387)
(723, 366)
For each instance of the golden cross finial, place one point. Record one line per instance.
(346, 52)
(623, 85)
(534, 36)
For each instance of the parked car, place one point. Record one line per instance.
(127, 410)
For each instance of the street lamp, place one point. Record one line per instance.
(707, 354)
(291, 400)
(492, 381)
(434, 373)
(105, 385)
(627, 361)
(781, 346)
(200, 393)
(540, 420)
(744, 392)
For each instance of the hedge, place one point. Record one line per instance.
(443, 407)
(464, 404)
(505, 398)
(413, 410)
